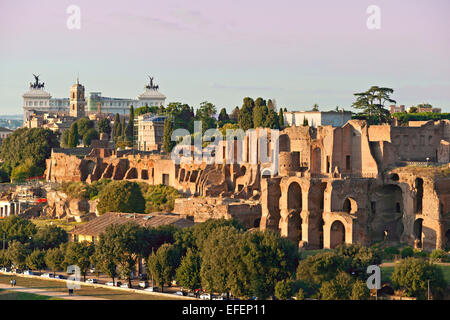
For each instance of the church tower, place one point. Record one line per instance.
(77, 101)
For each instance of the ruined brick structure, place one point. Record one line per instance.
(352, 184)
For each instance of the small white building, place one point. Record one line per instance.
(150, 130)
(317, 118)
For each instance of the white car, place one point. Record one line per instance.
(205, 296)
(179, 293)
(151, 289)
(91, 281)
(110, 283)
(143, 284)
(217, 298)
(125, 285)
(47, 275)
(28, 273)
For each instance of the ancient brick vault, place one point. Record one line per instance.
(349, 184)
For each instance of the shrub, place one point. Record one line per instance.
(284, 289)
(407, 252)
(390, 252)
(438, 255)
(121, 196)
(160, 198)
(420, 253)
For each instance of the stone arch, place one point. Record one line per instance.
(182, 174)
(350, 205)
(316, 163)
(194, 175)
(266, 173)
(385, 222)
(337, 234)
(256, 223)
(395, 177)
(144, 174)
(294, 208)
(418, 234)
(294, 197)
(419, 194)
(131, 174)
(242, 170)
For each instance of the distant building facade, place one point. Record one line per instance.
(317, 118)
(150, 131)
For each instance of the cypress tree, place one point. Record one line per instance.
(129, 131)
(281, 118)
(167, 141)
(73, 136)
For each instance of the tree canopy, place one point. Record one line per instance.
(121, 196)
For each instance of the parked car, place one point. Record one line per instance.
(205, 296)
(179, 293)
(110, 283)
(125, 285)
(5, 269)
(28, 273)
(47, 275)
(151, 289)
(91, 281)
(92, 270)
(58, 276)
(18, 271)
(143, 284)
(217, 298)
(191, 294)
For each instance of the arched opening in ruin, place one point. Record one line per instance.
(418, 235)
(395, 177)
(350, 205)
(295, 197)
(294, 209)
(182, 174)
(316, 163)
(256, 223)
(386, 213)
(131, 174)
(194, 175)
(321, 225)
(337, 234)
(144, 174)
(419, 194)
(243, 170)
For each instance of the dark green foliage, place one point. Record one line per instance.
(34, 144)
(223, 117)
(84, 124)
(205, 115)
(259, 116)
(82, 190)
(25, 170)
(281, 118)
(104, 126)
(160, 198)
(49, 236)
(121, 196)
(407, 252)
(412, 275)
(404, 117)
(234, 116)
(36, 260)
(246, 114)
(372, 104)
(73, 136)
(54, 259)
(16, 228)
(90, 135)
(188, 273)
(65, 138)
(284, 289)
(129, 131)
(17, 253)
(168, 144)
(164, 263)
(390, 252)
(116, 127)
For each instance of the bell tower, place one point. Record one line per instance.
(77, 101)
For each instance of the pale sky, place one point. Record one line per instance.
(298, 52)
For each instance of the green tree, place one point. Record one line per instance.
(246, 117)
(339, 288)
(160, 198)
(54, 259)
(168, 144)
(105, 255)
(260, 102)
(50, 236)
(17, 253)
(90, 135)
(305, 122)
(35, 144)
(129, 131)
(104, 126)
(121, 196)
(16, 228)
(25, 170)
(220, 260)
(223, 117)
(36, 260)
(372, 101)
(205, 115)
(259, 116)
(272, 120)
(65, 138)
(360, 291)
(73, 136)
(188, 273)
(79, 254)
(412, 110)
(315, 107)
(5, 261)
(234, 116)
(281, 118)
(412, 276)
(83, 125)
(116, 127)
(284, 289)
(164, 263)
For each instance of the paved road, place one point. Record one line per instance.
(56, 294)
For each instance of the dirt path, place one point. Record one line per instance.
(393, 264)
(56, 294)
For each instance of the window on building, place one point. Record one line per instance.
(348, 163)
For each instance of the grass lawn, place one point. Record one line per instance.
(84, 291)
(68, 226)
(16, 295)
